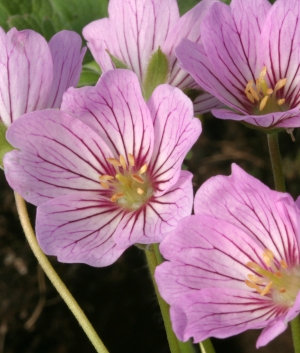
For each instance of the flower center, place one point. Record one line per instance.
(279, 281)
(264, 98)
(131, 187)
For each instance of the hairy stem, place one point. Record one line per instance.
(55, 279)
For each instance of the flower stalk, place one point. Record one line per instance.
(206, 346)
(55, 279)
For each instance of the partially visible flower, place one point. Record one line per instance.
(105, 170)
(136, 29)
(34, 74)
(249, 59)
(235, 264)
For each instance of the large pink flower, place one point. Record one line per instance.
(235, 264)
(136, 29)
(105, 171)
(34, 74)
(249, 59)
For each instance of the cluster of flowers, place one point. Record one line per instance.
(104, 170)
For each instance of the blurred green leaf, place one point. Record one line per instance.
(186, 5)
(4, 145)
(50, 16)
(90, 74)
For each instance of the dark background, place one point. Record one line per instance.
(119, 300)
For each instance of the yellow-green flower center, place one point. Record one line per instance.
(264, 98)
(279, 281)
(130, 187)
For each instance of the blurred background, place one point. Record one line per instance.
(119, 300)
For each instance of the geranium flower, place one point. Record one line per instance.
(249, 59)
(136, 29)
(235, 264)
(34, 74)
(105, 169)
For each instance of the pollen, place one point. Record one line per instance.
(274, 279)
(264, 98)
(130, 186)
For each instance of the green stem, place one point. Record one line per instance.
(276, 161)
(280, 186)
(154, 258)
(206, 346)
(55, 279)
(295, 326)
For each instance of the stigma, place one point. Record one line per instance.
(276, 279)
(130, 186)
(265, 98)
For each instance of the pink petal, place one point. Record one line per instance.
(288, 119)
(116, 110)
(160, 215)
(205, 252)
(26, 74)
(268, 217)
(279, 47)
(194, 60)
(140, 28)
(220, 312)
(175, 131)
(187, 26)
(79, 228)
(59, 155)
(67, 55)
(205, 102)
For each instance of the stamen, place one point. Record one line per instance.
(114, 162)
(253, 285)
(281, 83)
(131, 159)
(282, 290)
(263, 103)
(281, 101)
(267, 288)
(268, 257)
(278, 274)
(253, 266)
(123, 162)
(250, 97)
(254, 94)
(269, 91)
(104, 185)
(139, 191)
(117, 196)
(283, 264)
(143, 169)
(106, 177)
(137, 178)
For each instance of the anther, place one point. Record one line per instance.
(253, 266)
(282, 290)
(281, 101)
(269, 91)
(114, 162)
(139, 191)
(123, 162)
(106, 177)
(283, 264)
(137, 178)
(267, 288)
(253, 93)
(104, 185)
(131, 159)
(268, 257)
(117, 196)
(263, 103)
(143, 169)
(250, 97)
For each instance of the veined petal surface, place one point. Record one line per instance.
(116, 110)
(25, 55)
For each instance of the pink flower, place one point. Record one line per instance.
(34, 74)
(136, 29)
(104, 171)
(235, 264)
(249, 59)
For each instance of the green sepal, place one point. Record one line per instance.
(192, 93)
(157, 73)
(90, 74)
(117, 62)
(4, 145)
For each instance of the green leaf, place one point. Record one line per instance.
(117, 62)
(157, 73)
(4, 145)
(90, 74)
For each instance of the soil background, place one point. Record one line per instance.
(119, 299)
